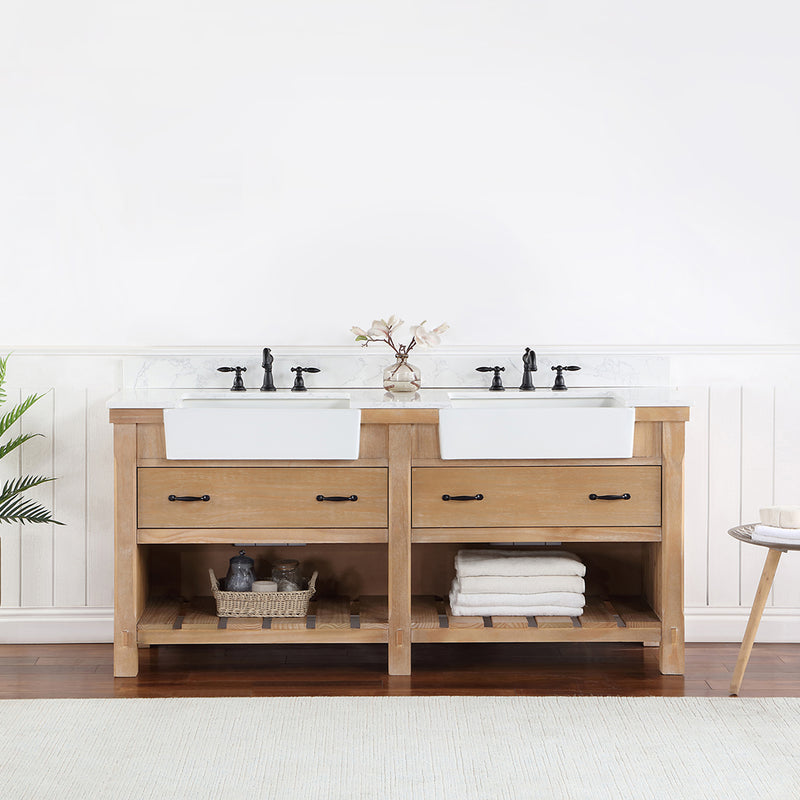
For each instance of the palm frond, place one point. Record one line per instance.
(21, 509)
(12, 486)
(3, 362)
(7, 420)
(13, 444)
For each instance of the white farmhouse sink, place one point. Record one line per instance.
(544, 424)
(223, 426)
(256, 399)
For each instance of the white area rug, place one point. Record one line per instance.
(487, 748)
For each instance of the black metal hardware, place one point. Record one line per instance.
(594, 496)
(497, 383)
(559, 385)
(238, 383)
(266, 362)
(205, 498)
(299, 385)
(462, 497)
(335, 499)
(528, 366)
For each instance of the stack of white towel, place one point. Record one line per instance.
(520, 583)
(779, 525)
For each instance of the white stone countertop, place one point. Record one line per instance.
(659, 397)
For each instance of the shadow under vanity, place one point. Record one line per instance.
(385, 562)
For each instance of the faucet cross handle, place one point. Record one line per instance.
(497, 383)
(299, 385)
(238, 383)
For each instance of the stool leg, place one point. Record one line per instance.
(760, 600)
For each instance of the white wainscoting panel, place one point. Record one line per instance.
(724, 493)
(758, 476)
(742, 452)
(786, 591)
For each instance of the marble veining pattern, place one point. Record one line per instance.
(357, 368)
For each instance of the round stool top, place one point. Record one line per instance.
(743, 534)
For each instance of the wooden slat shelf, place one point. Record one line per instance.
(330, 620)
(620, 619)
(339, 619)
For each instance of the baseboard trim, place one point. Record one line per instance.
(778, 625)
(84, 625)
(56, 625)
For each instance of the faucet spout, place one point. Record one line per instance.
(266, 362)
(528, 366)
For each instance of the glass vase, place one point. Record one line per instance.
(401, 377)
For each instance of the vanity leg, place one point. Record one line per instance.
(400, 439)
(669, 562)
(128, 569)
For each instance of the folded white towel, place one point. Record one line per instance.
(572, 599)
(515, 611)
(493, 584)
(769, 533)
(517, 563)
(781, 516)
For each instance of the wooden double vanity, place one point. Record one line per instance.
(385, 560)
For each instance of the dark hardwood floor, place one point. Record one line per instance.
(85, 670)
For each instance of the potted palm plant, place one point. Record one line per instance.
(14, 506)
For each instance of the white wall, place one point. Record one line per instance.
(198, 172)
(578, 177)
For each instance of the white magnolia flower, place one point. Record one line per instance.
(426, 338)
(382, 328)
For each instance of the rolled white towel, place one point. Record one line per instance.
(781, 516)
(772, 534)
(571, 599)
(471, 563)
(494, 584)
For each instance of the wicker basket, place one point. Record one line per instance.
(261, 604)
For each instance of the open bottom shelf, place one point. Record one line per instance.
(330, 620)
(618, 619)
(365, 620)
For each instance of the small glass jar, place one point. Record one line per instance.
(240, 574)
(286, 573)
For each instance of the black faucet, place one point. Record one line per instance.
(299, 386)
(528, 366)
(238, 383)
(266, 362)
(559, 385)
(497, 383)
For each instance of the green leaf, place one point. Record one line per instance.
(7, 420)
(361, 338)
(20, 509)
(3, 362)
(12, 487)
(6, 448)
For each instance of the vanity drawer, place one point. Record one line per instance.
(262, 497)
(534, 496)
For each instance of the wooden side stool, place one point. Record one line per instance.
(774, 552)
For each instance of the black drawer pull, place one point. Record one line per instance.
(334, 499)
(594, 496)
(462, 497)
(205, 498)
